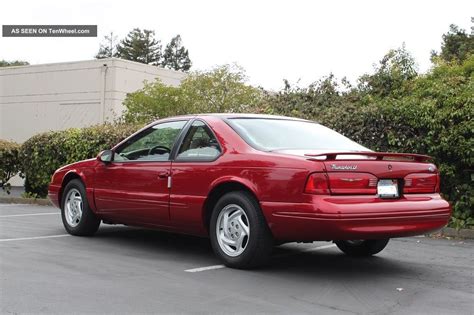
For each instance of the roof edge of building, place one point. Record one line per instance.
(105, 60)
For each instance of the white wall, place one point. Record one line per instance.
(39, 98)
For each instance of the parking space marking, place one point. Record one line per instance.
(307, 250)
(32, 238)
(2, 205)
(205, 268)
(213, 267)
(27, 214)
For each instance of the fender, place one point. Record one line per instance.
(83, 177)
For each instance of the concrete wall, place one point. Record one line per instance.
(58, 96)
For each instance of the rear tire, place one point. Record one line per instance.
(78, 218)
(239, 233)
(362, 248)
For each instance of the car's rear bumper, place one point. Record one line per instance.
(356, 217)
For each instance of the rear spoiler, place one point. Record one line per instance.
(378, 155)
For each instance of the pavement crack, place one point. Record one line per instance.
(323, 305)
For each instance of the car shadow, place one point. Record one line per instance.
(154, 240)
(338, 265)
(285, 259)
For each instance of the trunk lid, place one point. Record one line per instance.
(388, 175)
(380, 164)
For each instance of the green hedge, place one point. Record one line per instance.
(9, 165)
(42, 154)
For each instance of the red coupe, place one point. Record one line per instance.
(252, 181)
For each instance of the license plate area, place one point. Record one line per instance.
(387, 188)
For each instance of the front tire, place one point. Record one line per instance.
(239, 233)
(362, 248)
(78, 218)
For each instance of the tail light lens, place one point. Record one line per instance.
(421, 183)
(318, 184)
(353, 183)
(341, 183)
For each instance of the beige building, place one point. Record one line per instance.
(58, 96)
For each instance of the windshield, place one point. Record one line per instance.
(279, 134)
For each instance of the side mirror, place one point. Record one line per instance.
(106, 156)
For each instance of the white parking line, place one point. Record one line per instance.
(32, 238)
(205, 268)
(2, 205)
(27, 214)
(307, 250)
(277, 256)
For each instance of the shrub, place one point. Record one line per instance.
(9, 163)
(42, 154)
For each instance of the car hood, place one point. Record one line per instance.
(80, 164)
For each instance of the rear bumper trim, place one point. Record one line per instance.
(333, 219)
(440, 213)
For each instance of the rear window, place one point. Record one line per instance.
(280, 134)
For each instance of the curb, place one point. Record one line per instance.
(29, 201)
(451, 232)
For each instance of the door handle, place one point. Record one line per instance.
(164, 174)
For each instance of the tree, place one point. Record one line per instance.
(155, 100)
(219, 90)
(456, 46)
(309, 101)
(141, 46)
(108, 48)
(390, 75)
(4, 63)
(175, 56)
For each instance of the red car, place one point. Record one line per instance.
(252, 181)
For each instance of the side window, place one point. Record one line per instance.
(152, 144)
(200, 144)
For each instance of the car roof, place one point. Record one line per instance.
(237, 115)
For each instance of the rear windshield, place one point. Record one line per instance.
(279, 134)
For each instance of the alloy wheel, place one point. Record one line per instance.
(73, 207)
(232, 230)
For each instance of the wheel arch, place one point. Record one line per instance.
(69, 176)
(219, 189)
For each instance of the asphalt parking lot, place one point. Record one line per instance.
(129, 270)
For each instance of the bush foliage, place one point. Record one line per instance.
(42, 154)
(9, 165)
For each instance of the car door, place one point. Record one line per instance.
(134, 187)
(193, 169)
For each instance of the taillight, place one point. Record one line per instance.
(421, 183)
(352, 183)
(317, 183)
(341, 183)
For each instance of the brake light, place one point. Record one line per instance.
(341, 183)
(352, 183)
(317, 183)
(421, 183)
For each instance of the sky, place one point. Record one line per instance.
(272, 40)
